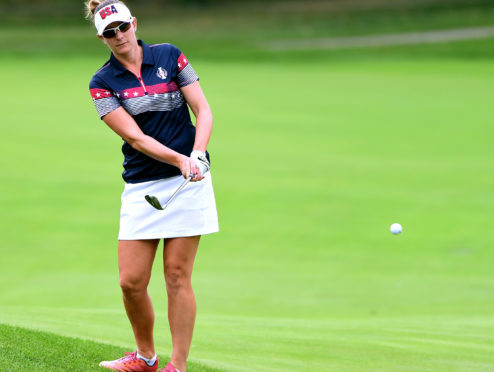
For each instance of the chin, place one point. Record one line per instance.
(124, 49)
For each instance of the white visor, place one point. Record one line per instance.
(112, 13)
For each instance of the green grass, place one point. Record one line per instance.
(27, 350)
(311, 164)
(314, 155)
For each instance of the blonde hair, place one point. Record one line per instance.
(92, 6)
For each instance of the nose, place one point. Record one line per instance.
(119, 34)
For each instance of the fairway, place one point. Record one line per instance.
(311, 163)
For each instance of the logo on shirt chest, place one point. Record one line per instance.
(162, 73)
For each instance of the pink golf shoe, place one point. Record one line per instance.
(169, 368)
(130, 363)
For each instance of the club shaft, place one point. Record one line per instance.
(177, 191)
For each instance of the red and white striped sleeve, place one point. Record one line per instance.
(103, 97)
(185, 73)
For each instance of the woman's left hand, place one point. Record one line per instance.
(195, 170)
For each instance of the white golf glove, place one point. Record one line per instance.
(201, 161)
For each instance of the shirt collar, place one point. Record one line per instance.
(147, 53)
(147, 59)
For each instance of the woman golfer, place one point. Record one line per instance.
(143, 93)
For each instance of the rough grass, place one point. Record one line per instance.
(28, 350)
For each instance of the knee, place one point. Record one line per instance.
(176, 279)
(132, 285)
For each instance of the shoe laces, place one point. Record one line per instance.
(129, 357)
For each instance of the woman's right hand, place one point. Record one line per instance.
(188, 166)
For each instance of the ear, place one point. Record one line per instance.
(134, 23)
(101, 38)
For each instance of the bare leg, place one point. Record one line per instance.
(178, 260)
(135, 260)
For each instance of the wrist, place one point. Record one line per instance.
(197, 153)
(179, 158)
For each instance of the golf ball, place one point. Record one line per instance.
(396, 228)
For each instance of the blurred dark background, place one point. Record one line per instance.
(257, 30)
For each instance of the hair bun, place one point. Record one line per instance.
(91, 6)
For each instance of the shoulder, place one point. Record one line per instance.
(164, 49)
(100, 75)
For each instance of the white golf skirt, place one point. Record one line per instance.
(192, 211)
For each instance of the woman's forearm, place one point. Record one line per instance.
(204, 127)
(156, 150)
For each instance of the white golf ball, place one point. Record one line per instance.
(396, 228)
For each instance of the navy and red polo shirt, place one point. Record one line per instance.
(154, 101)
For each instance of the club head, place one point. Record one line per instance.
(153, 200)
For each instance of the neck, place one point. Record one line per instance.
(132, 60)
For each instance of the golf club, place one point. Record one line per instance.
(153, 200)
